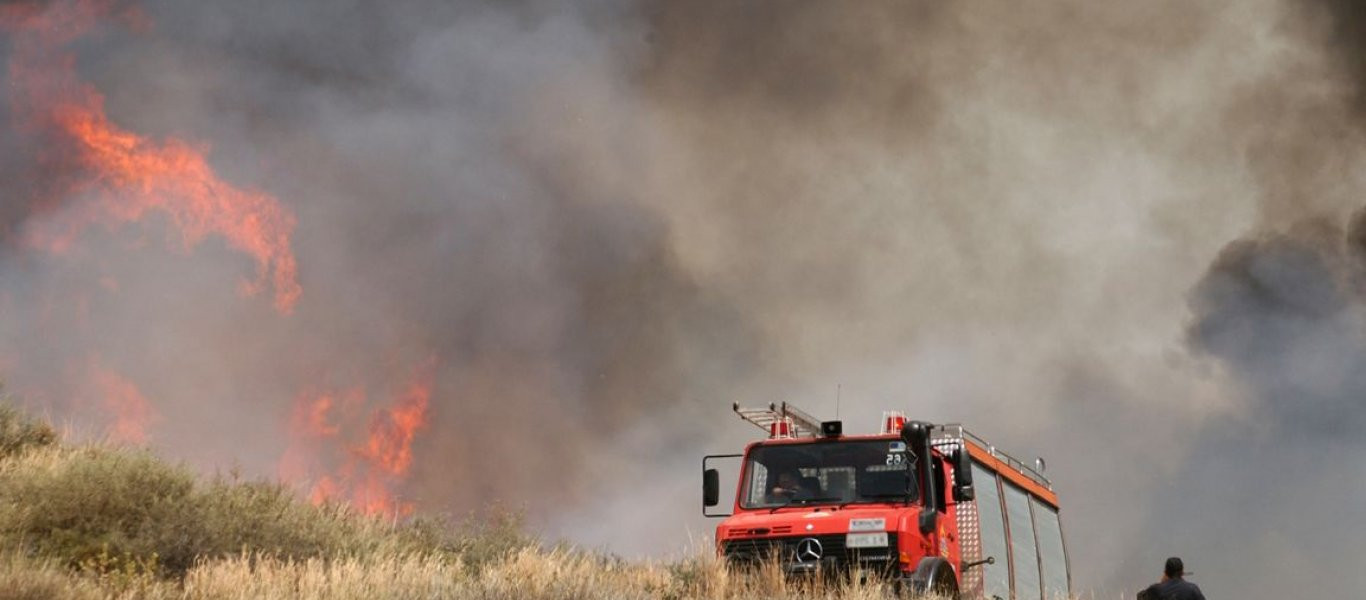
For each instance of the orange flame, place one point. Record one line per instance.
(392, 430)
(131, 411)
(368, 471)
(135, 175)
(313, 417)
(315, 420)
(388, 451)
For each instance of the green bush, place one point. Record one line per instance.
(74, 505)
(122, 514)
(268, 518)
(490, 537)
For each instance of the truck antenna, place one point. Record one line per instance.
(837, 400)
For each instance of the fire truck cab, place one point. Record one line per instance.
(934, 507)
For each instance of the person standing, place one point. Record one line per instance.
(1173, 585)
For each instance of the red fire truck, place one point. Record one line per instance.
(932, 506)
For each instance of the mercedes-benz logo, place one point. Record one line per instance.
(809, 550)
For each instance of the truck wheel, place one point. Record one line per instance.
(945, 586)
(932, 576)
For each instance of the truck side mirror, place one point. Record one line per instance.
(711, 483)
(962, 476)
(711, 487)
(916, 434)
(929, 520)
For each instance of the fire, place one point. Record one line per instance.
(350, 445)
(388, 450)
(129, 409)
(313, 417)
(390, 444)
(126, 176)
(366, 472)
(313, 425)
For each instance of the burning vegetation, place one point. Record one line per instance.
(370, 469)
(129, 410)
(119, 176)
(111, 177)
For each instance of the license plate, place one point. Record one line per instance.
(866, 540)
(868, 524)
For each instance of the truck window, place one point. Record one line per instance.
(1024, 554)
(757, 480)
(835, 471)
(995, 578)
(1051, 553)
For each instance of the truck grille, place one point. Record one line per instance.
(751, 551)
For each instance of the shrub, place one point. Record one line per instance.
(267, 518)
(493, 536)
(19, 432)
(106, 509)
(76, 504)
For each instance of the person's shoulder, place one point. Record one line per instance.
(1191, 591)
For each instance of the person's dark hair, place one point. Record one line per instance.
(1174, 568)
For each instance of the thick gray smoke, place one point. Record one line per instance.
(1285, 314)
(604, 222)
(444, 214)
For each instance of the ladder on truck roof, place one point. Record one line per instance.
(954, 435)
(782, 420)
(769, 418)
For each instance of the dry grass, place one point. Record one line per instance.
(530, 573)
(20, 433)
(110, 508)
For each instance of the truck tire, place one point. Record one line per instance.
(933, 575)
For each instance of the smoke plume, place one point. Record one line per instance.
(540, 247)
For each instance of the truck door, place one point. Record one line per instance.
(992, 529)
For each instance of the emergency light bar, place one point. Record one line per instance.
(782, 429)
(893, 421)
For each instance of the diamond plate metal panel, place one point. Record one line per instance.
(970, 547)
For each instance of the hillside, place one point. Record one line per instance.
(103, 521)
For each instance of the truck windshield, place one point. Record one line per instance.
(828, 472)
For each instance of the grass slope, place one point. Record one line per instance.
(104, 522)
